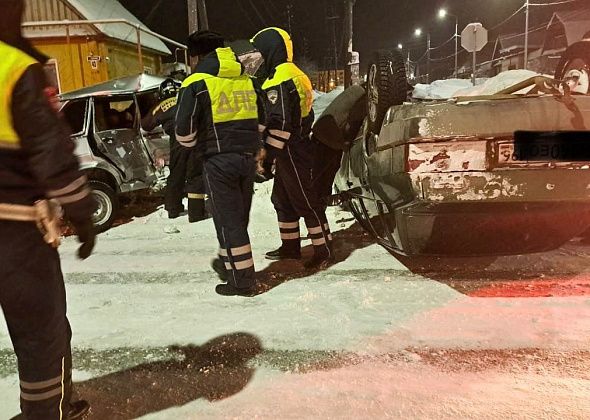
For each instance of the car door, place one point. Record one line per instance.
(118, 136)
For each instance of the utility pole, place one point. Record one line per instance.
(289, 17)
(348, 37)
(193, 24)
(526, 35)
(203, 18)
(193, 16)
(197, 18)
(428, 57)
(456, 46)
(333, 19)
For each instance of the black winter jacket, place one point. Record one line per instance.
(219, 107)
(37, 159)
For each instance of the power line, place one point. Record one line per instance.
(244, 12)
(509, 18)
(557, 3)
(443, 44)
(262, 20)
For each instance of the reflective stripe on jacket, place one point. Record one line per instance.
(218, 107)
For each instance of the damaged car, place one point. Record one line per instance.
(115, 153)
(492, 174)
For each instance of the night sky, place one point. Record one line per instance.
(378, 23)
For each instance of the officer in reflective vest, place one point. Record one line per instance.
(289, 116)
(36, 164)
(186, 168)
(218, 113)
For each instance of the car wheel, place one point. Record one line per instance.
(577, 57)
(387, 85)
(107, 202)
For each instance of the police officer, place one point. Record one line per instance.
(289, 117)
(186, 168)
(36, 163)
(218, 113)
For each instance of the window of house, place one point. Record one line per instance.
(52, 74)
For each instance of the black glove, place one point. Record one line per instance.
(86, 236)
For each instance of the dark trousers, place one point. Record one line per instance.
(230, 185)
(186, 177)
(294, 196)
(33, 299)
(326, 165)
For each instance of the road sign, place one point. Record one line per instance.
(474, 37)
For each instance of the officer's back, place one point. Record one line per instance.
(218, 107)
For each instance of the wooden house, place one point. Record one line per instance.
(89, 53)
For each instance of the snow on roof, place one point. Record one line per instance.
(575, 22)
(112, 9)
(510, 42)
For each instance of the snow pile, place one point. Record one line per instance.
(451, 88)
(498, 83)
(317, 94)
(323, 101)
(441, 89)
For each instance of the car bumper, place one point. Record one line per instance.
(471, 229)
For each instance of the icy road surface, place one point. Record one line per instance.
(371, 337)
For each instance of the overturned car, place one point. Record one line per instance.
(478, 175)
(115, 153)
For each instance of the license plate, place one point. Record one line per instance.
(526, 153)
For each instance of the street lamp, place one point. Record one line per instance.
(400, 47)
(443, 13)
(418, 33)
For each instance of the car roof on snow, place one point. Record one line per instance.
(122, 86)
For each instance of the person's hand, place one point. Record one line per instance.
(260, 157)
(86, 233)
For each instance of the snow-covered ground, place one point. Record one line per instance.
(370, 337)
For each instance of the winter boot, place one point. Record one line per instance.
(319, 262)
(78, 410)
(323, 257)
(219, 267)
(196, 209)
(175, 213)
(284, 254)
(229, 290)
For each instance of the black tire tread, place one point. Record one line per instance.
(392, 84)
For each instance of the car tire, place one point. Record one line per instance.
(387, 85)
(575, 57)
(108, 205)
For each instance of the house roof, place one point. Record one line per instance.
(112, 9)
(99, 10)
(515, 42)
(575, 22)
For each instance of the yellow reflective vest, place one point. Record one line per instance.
(218, 107)
(13, 64)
